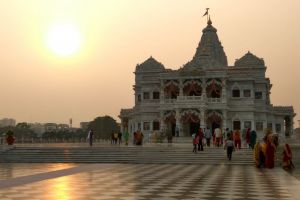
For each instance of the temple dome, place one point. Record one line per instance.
(249, 60)
(210, 52)
(150, 64)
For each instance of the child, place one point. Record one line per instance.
(195, 143)
(230, 147)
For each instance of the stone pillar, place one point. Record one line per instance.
(162, 123)
(202, 119)
(178, 123)
(180, 87)
(225, 119)
(162, 91)
(203, 88)
(224, 95)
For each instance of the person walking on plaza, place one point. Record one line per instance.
(252, 139)
(247, 137)
(126, 137)
(270, 152)
(208, 136)
(230, 147)
(120, 138)
(237, 139)
(201, 136)
(218, 135)
(195, 142)
(287, 157)
(90, 137)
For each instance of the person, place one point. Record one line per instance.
(287, 157)
(218, 135)
(201, 136)
(112, 138)
(120, 137)
(116, 135)
(247, 137)
(256, 155)
(229, 145)
(237, 139)
(126, 137)
(252, 138)
(207, 136)
(195, 142)
(90, 137)
(270, 152)
(134, 137)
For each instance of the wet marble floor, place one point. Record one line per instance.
(144, 181)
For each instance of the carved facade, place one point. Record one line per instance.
(205, 92)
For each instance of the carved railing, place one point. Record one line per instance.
(214, 100)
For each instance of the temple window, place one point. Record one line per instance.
(235, 93)
(278, 128)
(146, 95)
(247, 93)
(146, 126)
(236, 125)
(156, 126)
(270, 126)
(259, 126)
(258, 95)
(247, 124)
(139, 98)
(155, 95)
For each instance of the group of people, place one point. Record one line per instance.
(265, 152)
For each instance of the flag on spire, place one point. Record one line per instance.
(206, 13)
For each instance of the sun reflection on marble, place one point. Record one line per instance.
(60, 188)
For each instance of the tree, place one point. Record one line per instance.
(103, 127)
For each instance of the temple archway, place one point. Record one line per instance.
(190, 120)
(213, 88)
(214, 120)
(192, 88)
(171, 90)
(170, 122)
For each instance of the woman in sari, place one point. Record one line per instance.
(270, 152)
(256, 154)
(248, 138)
(287, 157)
(252, 139)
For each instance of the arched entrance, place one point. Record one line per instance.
(191, 123)
(214, 120)
(170, 122)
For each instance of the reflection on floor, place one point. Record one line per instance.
(144, 181)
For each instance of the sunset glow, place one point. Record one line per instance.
(63, 39)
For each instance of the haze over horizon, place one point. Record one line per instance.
(40, 83)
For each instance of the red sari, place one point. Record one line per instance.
(287, 156)
(270, 155)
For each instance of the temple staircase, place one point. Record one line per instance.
(164, 154)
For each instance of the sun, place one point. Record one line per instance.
(63, 39)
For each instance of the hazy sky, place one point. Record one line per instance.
(38, 85)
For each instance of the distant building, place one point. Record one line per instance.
(63, 127)
(38, 128)
(84, 125)
(7, 122)
(50, 127)
(205, 92)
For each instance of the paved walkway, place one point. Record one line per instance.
(144, 181)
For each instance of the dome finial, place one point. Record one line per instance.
(209, 21)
